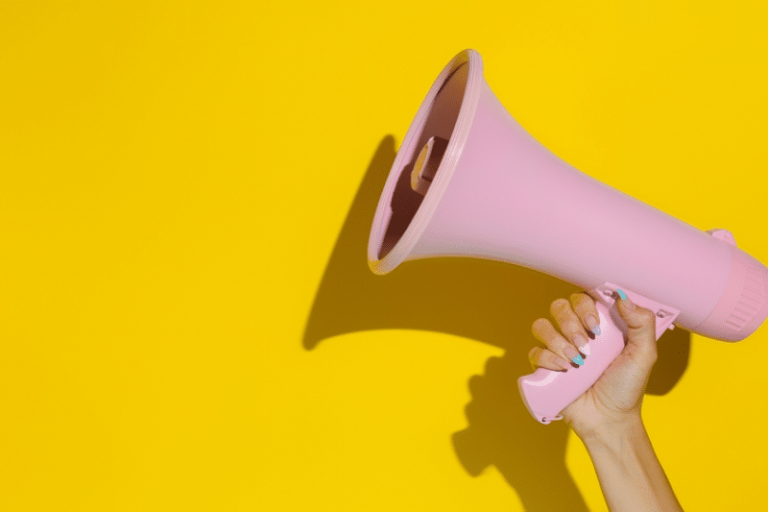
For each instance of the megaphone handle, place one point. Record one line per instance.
(546, 393)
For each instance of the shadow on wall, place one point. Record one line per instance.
(487, 301)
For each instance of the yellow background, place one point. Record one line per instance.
(187, 320)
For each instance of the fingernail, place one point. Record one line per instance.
(627, 302)
(578, 360)
(582, 343)
(570, 352)
(562, 363)
(593, 324)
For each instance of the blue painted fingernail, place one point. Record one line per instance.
(624, 300)
(596, 330)
(578, 360)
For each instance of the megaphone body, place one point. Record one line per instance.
(469, 181)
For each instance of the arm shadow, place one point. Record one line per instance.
(471, 298)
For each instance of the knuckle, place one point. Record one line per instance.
(571, 327)
(558, 305)
(643, 311)
(558, 344)
(578, 297)
(583, 302)
(646, 314)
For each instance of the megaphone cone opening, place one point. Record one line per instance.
(446, 113)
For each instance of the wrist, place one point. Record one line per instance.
(608, 430)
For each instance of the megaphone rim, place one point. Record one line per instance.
(458, 138)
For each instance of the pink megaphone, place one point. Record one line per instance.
(469, 181)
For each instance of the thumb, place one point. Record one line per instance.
(641, 330)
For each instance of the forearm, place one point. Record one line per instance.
(629, 472)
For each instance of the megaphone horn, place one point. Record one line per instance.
(470, 181)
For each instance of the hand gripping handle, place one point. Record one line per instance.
(546, 393)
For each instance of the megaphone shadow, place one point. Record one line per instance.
(483, 300)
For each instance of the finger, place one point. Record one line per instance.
(570, 325)
(544, 331)
(542, 358)
(584, 306)
(641, 331)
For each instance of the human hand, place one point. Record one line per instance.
(615, 399)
